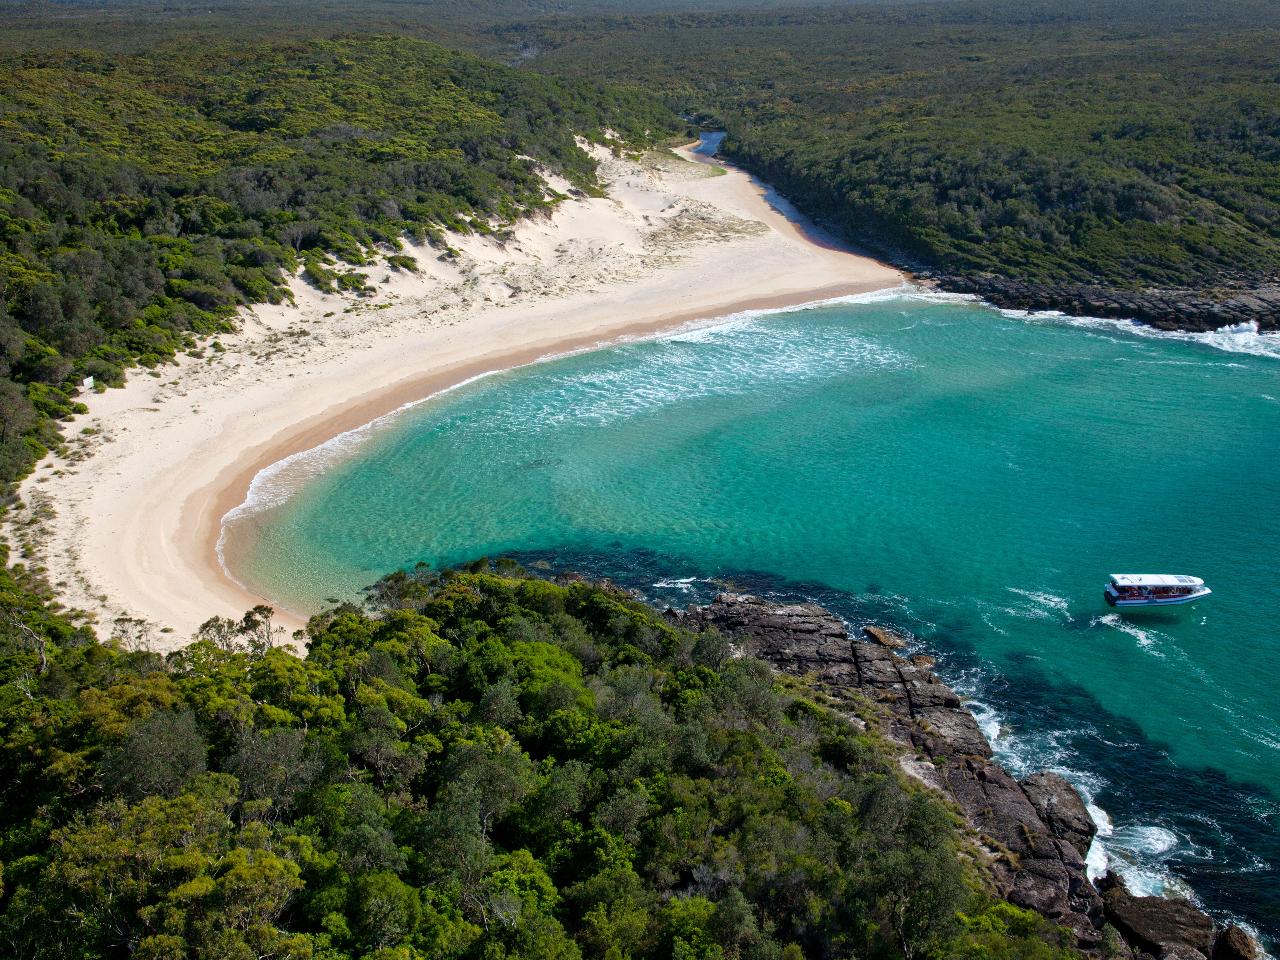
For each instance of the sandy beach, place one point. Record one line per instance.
(126, 524)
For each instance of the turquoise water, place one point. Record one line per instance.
(923, 460)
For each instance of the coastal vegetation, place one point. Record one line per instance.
(182, 162)
(479, 763)
(1114, 143)
(143, 199)
(475, 765)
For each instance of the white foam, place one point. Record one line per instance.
(706, 328)
(1097, 863)
(1140, 853)
(278, 482)
(988, 720)
(1137, 852)
(1269, 740)
(1039, 606)
(1147, 639)
(1026, 613)
(683, 584)
(1243, 338)
(266, 489)
(1046, 600)
(1153, 841)
(747, 357)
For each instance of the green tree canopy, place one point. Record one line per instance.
(483, 766)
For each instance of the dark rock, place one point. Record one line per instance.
(1158, 925)
(1035, 864)
(1061, 808)
(957, 733)
(802, 639)
(885, 637)
(1109, 881)
(1235, 300)
(1037, 831)
(1234, 944)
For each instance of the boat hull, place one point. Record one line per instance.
(1139, 603)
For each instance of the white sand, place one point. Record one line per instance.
(127, 524)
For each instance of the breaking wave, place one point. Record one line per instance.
(1243, 338)
(1138, 852)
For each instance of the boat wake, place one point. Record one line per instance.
(1148, 640)
(1045, 601)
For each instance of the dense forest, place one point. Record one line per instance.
(480, 764)
(143, 199)
(139, 26)
(477, 765)
(1133, 145)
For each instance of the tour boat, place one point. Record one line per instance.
(1154, 589)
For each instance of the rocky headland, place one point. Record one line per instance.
(1036, 831)
(1196, 310)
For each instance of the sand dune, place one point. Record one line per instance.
(126, 524)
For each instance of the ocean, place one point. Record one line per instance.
(968, 475)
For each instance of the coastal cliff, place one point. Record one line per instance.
(1036, 832)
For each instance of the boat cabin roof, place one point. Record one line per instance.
(1155, 580)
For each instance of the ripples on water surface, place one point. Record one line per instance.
(970, 475)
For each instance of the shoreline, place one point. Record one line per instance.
(1041, 818)
(1170, 311)
(207, 509)
(188, 546)
(127, 522)
(1209, 308)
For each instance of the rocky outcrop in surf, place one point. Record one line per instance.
(1169, 928)
(1036, 831)
(1060, 808)
(1032, 865)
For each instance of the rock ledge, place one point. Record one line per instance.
(1036, 831)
